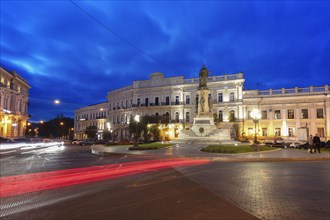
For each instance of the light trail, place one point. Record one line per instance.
(21, 184)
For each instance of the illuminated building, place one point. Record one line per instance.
(13, 104)
(92, 115)
(283, 111)
(172, 96)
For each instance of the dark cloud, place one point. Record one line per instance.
(78, 52)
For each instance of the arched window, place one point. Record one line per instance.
(232, 115)
(187, 116)
(177, 117)
(220, 115)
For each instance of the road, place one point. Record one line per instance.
(212, 190)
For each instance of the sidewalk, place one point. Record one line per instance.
(193, 151)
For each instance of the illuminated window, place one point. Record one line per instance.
(304, 113)
(232, 115)
(187, 99)
(277, 132)
(232, 97)
(291, 132)
(220, 115)
(177, 117)
(290, 114)
(167, 100)
(320, 132)
(319, 113)
(277, 114)
(264, 132)
(220, 97)
(177, 100)
(187, 116)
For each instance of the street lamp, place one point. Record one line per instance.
(255, 115)
(56, 101)
(137, 120)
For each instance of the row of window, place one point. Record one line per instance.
(12, 104)
(290, 114)
(157, 102)
(278, 132)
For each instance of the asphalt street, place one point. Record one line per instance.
(219, 189)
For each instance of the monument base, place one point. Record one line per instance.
(205, 131)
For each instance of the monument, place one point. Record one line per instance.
(203, 128)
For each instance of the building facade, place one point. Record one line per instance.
(13, 104)
(284, 111)
(230, 105)
(92, 115)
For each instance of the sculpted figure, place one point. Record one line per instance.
(202, 103)
(203, 75)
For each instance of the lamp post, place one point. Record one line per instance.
(137, 120)
(61, 130)
(255, 115)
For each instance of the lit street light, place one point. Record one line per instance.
(255, 115)
(56, 101)
(137, 120)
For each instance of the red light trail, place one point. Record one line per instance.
(20, 184)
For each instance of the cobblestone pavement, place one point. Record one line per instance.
(296, 190)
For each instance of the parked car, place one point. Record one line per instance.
(76, 141)
(304, 146)
(296, 144)
(327, 145)
(5, 140)
(87, 142)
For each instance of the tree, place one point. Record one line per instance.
(231, 117)
(142, 127)
(154, 132)
(91, 131)
(106, 136)
(215, 117)
(56, 127)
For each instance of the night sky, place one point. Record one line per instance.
(76, 51)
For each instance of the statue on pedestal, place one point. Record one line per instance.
(203, 76)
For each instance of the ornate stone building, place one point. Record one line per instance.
(283, 111)
(172, 96)
(13, 104)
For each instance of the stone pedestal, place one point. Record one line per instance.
(203, 102)
(203, 126)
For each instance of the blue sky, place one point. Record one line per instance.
(76, 51)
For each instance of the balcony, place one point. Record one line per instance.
(101, 117)
(176, 103)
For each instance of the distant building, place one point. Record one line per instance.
(92, 115)
(13, 104)
(283, 111)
